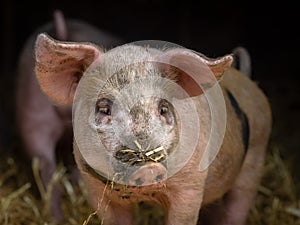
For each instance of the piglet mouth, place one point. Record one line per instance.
(137, 166)
(140, 156)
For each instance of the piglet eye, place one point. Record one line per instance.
(103, 106)
(163, 107)
(164, 110)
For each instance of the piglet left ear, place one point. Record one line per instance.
(192, 71)
(60, 65)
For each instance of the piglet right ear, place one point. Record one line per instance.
(193, 72)
(60, 65)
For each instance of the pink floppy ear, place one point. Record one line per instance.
(60, 65)
(192, 71)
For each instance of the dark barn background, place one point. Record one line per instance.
(268, 31)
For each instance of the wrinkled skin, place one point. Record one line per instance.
(42, 124)
(223, 192)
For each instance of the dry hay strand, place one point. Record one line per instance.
(99, 205)
(21, 204)
(277, 201)
(141, 156)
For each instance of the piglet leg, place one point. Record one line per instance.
(47, 169)
(184, 207)
(234, 208)
(40, 138)
(240, 199)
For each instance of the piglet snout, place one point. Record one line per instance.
(148, 174)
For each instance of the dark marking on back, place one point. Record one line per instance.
(242, 117)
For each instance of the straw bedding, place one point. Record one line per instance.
(23, 200)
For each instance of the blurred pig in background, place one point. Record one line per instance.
(40, 123)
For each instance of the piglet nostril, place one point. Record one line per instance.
(139, 181)
(159, 177)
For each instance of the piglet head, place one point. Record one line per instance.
(134, 118)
